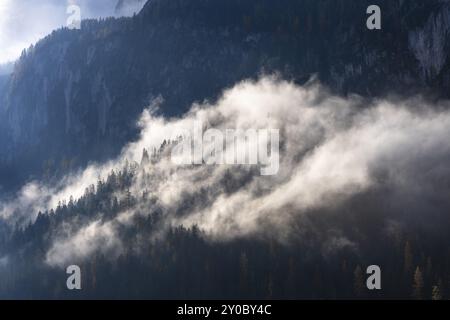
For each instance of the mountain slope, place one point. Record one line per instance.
(356, 185)
(76, 95)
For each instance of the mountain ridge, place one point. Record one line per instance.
(75, 96)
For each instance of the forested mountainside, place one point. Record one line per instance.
(325, 258)
(76, 95)
(363, 179)
(126, 7)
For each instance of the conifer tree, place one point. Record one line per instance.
(243, 273)
(408, 258)
(358, 285)
(145, 158)
(436, 292)
(418, 284)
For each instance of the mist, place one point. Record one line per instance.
(332, 151)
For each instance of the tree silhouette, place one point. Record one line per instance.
(418, 285)
(359, 286)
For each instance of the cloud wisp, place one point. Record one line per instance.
(332, 149)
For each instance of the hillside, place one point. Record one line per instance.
(76, 95)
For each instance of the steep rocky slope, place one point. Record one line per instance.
(76, 95)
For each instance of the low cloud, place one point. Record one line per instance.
(332, 149)
(96, 236)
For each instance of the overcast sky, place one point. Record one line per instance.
(24, 22)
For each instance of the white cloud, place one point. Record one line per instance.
(332, 149)
(95, 236)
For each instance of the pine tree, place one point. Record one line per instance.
(243, 273)
(436, 292)
(290, 279)
(358, 285)
(418, 284)
(408, 258)
(270, 288)
(145, 158)
(429, 268)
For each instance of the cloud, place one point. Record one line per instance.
(31, 199)
(36, 196)
(332, 150)
(96, 236)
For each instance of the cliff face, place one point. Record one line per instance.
(430, 43)
(75, 96)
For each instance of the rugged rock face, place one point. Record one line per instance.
(430, 43)
(75, 96)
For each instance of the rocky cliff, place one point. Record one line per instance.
(76, 95)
